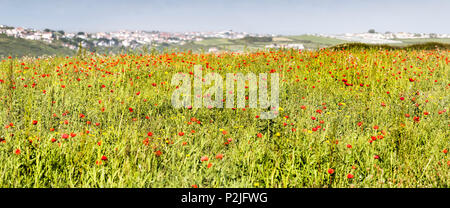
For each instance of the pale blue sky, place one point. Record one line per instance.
(259, 16)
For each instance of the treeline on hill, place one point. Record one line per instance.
(251, 39)
(418, 46)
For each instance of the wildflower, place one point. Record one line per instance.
(158, 153)
(330, 171)
(17, 152)
(350, 176)
(219, 156)
(104, 158)
(204, 158)
(35, 122)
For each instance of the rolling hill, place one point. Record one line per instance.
(18, 47)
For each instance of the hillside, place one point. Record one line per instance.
(309, 41)
(10, 46)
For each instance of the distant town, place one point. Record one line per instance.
(382, 38)
(133, 39)
(124, 38)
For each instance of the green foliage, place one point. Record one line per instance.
(90, 106)
(17, 47)
(417, 46)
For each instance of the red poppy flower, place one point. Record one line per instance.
(204, 158)
(330, 171)
(158, 153)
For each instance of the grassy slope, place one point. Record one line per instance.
(316, 42)
(409, 151)
(10, 46)
(423, 40)
(226, 44)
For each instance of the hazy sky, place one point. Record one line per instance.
(258, 16)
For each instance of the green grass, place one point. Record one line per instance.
(288, 151)
(416, 46)
(17, 47)
(316, 42)
(424, 40)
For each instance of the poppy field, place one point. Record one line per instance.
(346, 118)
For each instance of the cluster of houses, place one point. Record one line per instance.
(135, 39)
(382, 38)
(121, 38)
